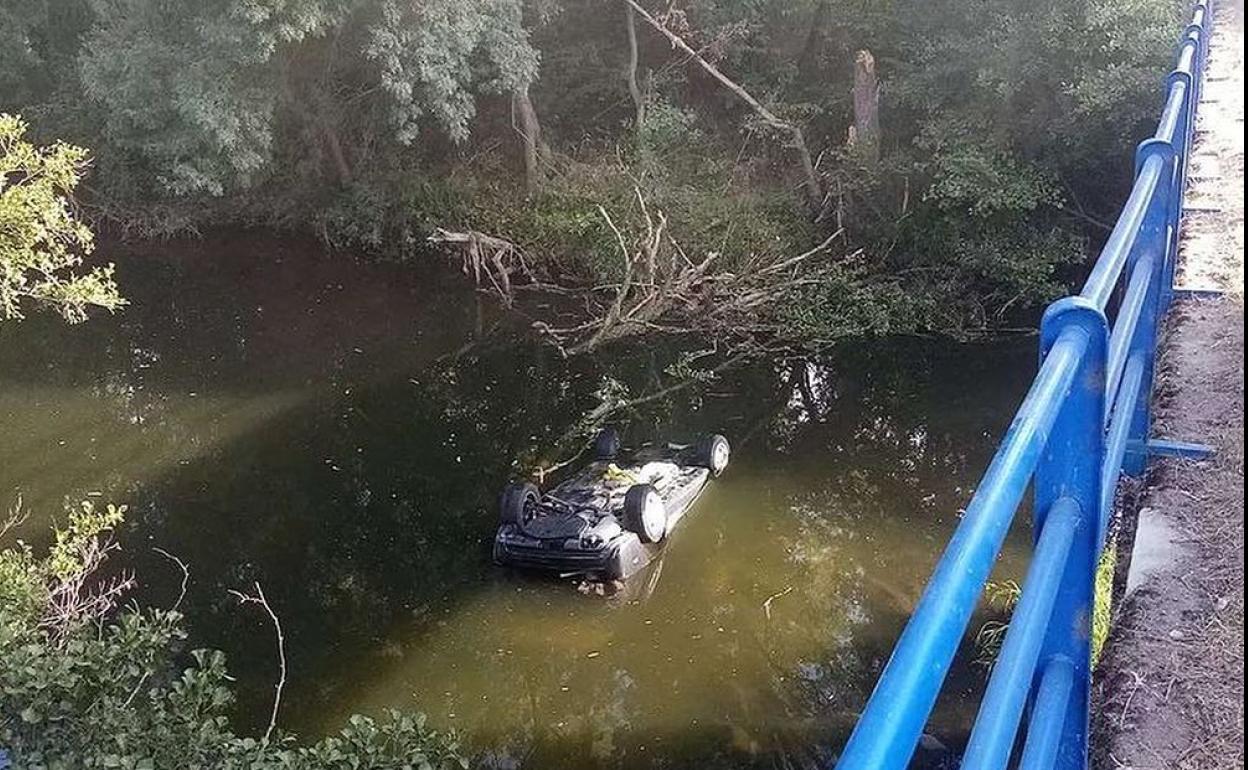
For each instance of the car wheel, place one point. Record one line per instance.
(607, 444)
(644, 513)
(518, 503)
(713, 453)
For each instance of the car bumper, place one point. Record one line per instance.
(616, 560)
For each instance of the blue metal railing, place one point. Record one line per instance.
(1084, 422)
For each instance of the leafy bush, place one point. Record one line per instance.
(97, 690)
(41, 241)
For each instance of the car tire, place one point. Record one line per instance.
(518, 503)
(713, 453)
(644, 513)
(607, 444)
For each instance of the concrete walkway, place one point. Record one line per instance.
(1170, 689)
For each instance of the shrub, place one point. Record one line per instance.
(94, 689)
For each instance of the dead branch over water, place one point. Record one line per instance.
(660, 289)
(259, 598)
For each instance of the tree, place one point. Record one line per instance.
(41, 241)
(205, 96)
(987, 152)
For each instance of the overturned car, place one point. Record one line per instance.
(608, 520)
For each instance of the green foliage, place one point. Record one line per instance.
(190, 91)
(41, 241)
(970, 176)
(201, 99)
(1004, 134)
(1002, 598)
(120, 692)
(1103, 597)
(86, 523)
(433, 55)
(390, 219)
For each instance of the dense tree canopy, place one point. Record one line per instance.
(967, 154)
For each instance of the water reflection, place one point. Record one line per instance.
(340, 431)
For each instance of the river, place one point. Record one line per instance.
(339, 430)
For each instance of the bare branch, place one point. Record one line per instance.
(15, 518)
(186, 575)
(76, 598)
(260, 599)
(661, 288)
(497, 258)
(634, 90)
(803, 256)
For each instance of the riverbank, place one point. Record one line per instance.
(1170, 690)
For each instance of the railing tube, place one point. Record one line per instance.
(1123, 413)
(1044, 734)
(1100, 284)
(1126, 324)
(1155, 240)
(890, 726)
(1171, 123)
(1002, 707)
(1181, 80)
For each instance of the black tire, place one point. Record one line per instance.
(518, 503)
(644, 513)
(712, 453)
(607, 444)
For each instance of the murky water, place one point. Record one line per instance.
(339, 432)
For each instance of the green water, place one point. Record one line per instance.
(339, 432)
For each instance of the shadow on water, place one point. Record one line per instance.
(339, 432)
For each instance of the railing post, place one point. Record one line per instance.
(1070, 471)
(1158, 238)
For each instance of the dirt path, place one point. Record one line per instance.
(1170, 689)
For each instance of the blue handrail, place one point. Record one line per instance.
(1084, 422)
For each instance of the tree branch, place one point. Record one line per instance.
(186, 576)
(814, 191)
(260, 599)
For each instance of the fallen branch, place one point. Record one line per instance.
(772, 598)
(660, 289)
(495, 258)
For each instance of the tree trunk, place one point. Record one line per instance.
(866, 129)
(810, 181)
(809, 57)
(336, 153)
(530, 131)
(639, 101)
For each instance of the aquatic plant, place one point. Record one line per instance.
(1004, 596)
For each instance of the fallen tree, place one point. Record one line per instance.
(658, 288)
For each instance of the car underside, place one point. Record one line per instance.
(608, 520)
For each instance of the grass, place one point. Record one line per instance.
(1004, 597)
(1102, 598)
